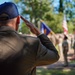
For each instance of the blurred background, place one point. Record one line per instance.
(58, 17)
(50, 11)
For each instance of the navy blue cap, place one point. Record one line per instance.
(8, 10)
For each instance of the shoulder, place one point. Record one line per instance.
(30, 39)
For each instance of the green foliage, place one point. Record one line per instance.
(54, 21)
(61, 6)
(70, 27)
(24, 29)
(34, 10)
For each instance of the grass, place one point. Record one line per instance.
(59, 71)
(62, 71)
(55, 71)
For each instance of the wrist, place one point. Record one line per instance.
(37, 34)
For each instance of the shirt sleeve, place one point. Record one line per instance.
(47, 53)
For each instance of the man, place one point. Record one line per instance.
(65, 47)
(19, 55)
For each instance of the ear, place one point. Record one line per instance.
(18, 19)
(17, 22)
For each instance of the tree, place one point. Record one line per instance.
(24, 29)
(34, 8)
(61, 8)
(67, 7)
(54, 21)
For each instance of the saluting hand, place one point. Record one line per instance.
(31, 26)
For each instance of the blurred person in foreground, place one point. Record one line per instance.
(19, 54)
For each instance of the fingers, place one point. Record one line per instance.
(27, 22)
(31, 26)
(24, 20)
